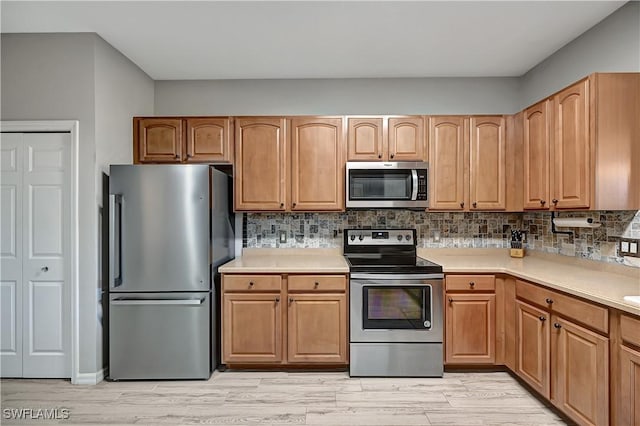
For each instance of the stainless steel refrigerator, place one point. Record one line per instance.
(170, 227)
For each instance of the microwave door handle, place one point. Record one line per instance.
(414, 180)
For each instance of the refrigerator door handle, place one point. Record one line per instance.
(115, 240)
(125, 301)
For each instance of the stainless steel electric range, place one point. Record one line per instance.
(396, 316)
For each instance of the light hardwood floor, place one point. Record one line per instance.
(240, 398)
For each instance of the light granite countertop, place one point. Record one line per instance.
(596, 281)
(278, 261)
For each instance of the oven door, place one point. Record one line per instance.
(395, 308)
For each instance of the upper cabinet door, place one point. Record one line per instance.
(406, 139)
(317, 164)
(158, 140)
(536, 156)
(365, 141)
(487, 184)
(571, 147)
(447, 141)
(209, 140)
(260, 167)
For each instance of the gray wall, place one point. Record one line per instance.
(51, 77)
(611, 46)
(78, 77)
(122, 90)
(337, 96)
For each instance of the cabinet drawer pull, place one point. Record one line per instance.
(557, 325)
(541, 318)
(549, 301)
(543, 202)
(472, 284)
(554, 201)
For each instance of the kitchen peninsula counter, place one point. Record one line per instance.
(599, 282)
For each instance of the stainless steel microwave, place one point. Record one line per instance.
(387, 185)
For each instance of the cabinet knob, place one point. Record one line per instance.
(557, 325)
(549, 301)
(450, 300)
(379, 155)
(541, 318)
(177, 157)
(391, 155)
(293, 205)
(281, 205)
(543, 202)
(462, 205)
(472, 284)
(290, 300)
(475, 204)
(250, 283)
(316, 284)
(554, 201)
(44, 269)
(277, 299)
(189, 155)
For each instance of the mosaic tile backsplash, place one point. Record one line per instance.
(474, 229)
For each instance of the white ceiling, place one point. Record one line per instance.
(322, 39)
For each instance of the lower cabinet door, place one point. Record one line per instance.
(581, 379)
(317, 328)
(470, 329)
(532, 337)
(252, 328)
(629, 399)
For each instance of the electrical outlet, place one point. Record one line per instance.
(283, 237)
(436, 236)
(629, 247)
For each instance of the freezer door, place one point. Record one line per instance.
(159, 228)
(159, 336)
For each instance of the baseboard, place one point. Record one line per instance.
(90, 378)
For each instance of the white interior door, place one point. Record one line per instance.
(43, 300)
(11, 168)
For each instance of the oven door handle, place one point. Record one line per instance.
(393, 277)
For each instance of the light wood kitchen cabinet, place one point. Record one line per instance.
(157, 140)
(571, 154)
(470, 328)
(537, 156)
(317, 164)
(487, 163)
(285, 319)
(252, 328)
(581, 374)
(629, 399)
(587, 133)
(448, 141)
(182, 140)
(366, 139)
(386, 139)
(575, 363)
(467, 166)
(317, 328)
(261, 164)
(532, 356)
(209, 140)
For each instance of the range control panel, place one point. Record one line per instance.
(378, 237)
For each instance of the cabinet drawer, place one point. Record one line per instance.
(251, 283)
(586, 313)
(471, 283)
(317, 283)
(630, 329)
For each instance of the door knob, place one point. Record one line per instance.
(44, 269)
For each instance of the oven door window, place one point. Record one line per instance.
(380, 185)
(396, 307)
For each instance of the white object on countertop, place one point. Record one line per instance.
(632, 299)
(575, 222)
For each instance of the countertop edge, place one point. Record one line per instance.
(566, 289)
